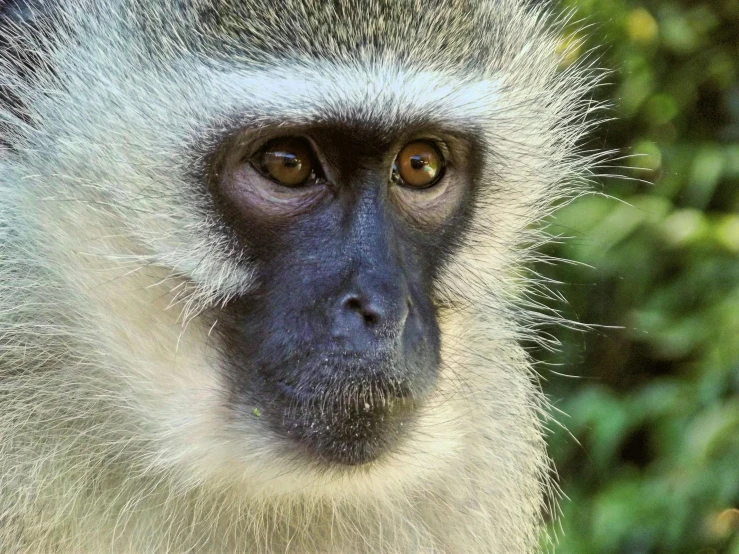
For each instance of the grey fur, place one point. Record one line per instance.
(113, 433)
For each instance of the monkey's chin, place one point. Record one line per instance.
(351, 430)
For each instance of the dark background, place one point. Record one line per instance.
(648, 455)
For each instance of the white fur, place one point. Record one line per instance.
(114, 432)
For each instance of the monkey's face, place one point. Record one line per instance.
(317, 268)
(314, 266)
(336, 344)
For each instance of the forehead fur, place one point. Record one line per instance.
(428, 34)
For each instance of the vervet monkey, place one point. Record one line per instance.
(259, 271)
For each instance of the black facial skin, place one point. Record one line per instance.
(337, 345)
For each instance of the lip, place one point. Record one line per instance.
(342, 425)
(379, 391)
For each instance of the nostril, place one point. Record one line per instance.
(370, 318)
(356, 305)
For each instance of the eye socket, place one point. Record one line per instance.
(418, 165)
(288, 161)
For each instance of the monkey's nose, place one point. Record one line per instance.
(361, 318)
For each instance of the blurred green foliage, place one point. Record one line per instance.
(650, 458)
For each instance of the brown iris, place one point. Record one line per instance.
(287, 161)
(419, 164)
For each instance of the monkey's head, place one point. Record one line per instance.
(291, 229)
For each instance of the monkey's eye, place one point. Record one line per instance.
(418, 165)
(288, 161)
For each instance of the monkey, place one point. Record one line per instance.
(263, 280)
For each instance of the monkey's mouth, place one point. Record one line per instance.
(349, 423)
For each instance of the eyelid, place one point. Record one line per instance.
(437, 142)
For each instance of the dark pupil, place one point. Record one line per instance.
(289, 160)
(417, 162)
